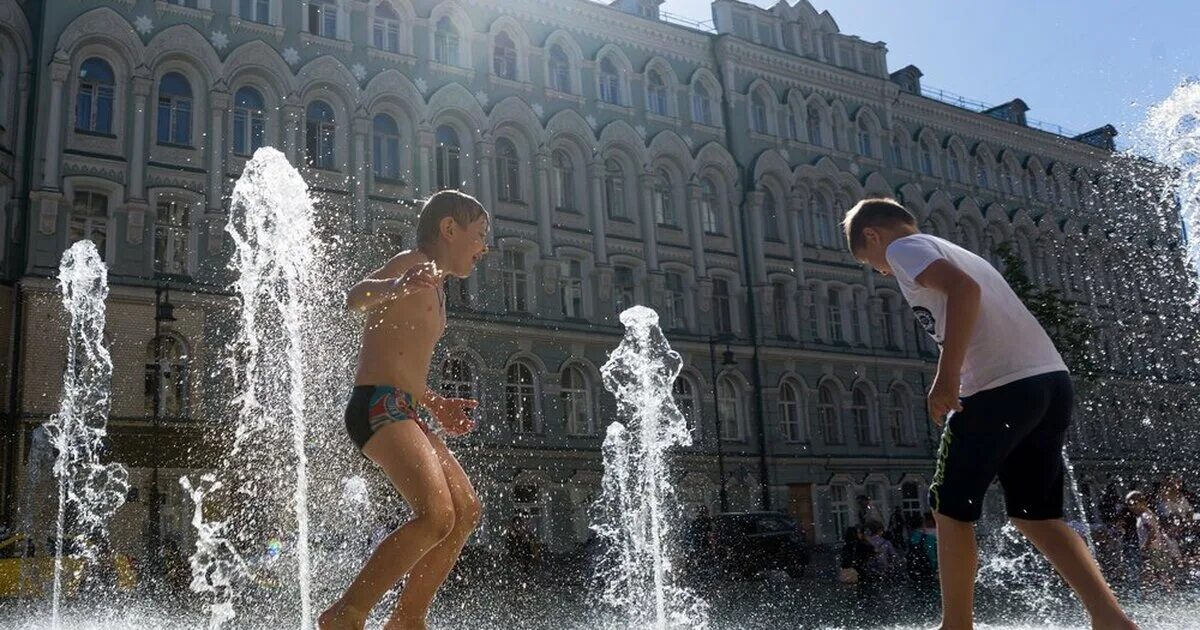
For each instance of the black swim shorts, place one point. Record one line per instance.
(373, 406)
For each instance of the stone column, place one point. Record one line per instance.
(361, 127)
(137, 154)
(696, 232)
(219, 102)
(292, 130)
(599, 237)
(541, 163)
(22, 122)
(425, 140)
(649, 224)
(60, 68)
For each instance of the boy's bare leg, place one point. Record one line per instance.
(412, 464)
(1070, 556)
(434, 567)
(958, 561)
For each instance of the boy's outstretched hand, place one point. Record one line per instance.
(451, 413)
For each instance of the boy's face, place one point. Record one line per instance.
(466, 245)
(873, 251)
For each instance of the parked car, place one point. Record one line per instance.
(746, 543)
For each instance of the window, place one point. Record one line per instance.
(445, 42)
(171, 237)
(508, 171)
(167, 374)
(953, 170)
(897, 152)
(94, 101)
(1006, 178)
(791, 422)
(515, 281)
(174, 110)
(610, 82)
(624, 289)
(779, 302)
(664, 211)
(563, 181)
(685, 398)
(656, 94)
(385, 31)
(458, 379)
(675, 302)
(560, 69)
(249, 121)
(520, 397)
(577, 402)
(839, 507)
(766, 34)
(89, 219)
(814, 325)
(614, 189)
(385, 147)
(898, 416)
(758, 113)
(910, 500)
(981, 172)
(814, 126)
(320, 135)
(571, 284)
(504, 57)
(770, 217)
(865, 145)
(729, 404)
(888, 323)
(926, 158)
(708, 207)
(701, 105)
(823, 215)
(255, 10)
(864, 425)
(448, 153)
(323, 18)
(793, 125)
(834, 314)
(722, 317)
(839, 132)
(827, 411)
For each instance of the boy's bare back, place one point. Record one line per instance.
(400, 334)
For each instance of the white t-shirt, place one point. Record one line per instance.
(1007, 343)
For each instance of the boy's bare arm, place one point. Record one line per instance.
(401, 276)
(962, 309)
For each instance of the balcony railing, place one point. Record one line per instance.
(957, 100)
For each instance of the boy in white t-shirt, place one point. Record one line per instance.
(1006, 398)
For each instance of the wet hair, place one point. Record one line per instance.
(460, 206)
(874, 212)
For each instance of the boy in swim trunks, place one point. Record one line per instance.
(1007, 395)
(405, 309)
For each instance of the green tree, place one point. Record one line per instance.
(1070, 331)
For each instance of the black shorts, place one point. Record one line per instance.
(1015, 431)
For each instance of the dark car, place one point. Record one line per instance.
(745, 543)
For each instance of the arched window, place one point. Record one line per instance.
(167, 374)
(174, 110)
(898, 417)
(981, 172)
(791, 414)
(674, 301)
(385, 147)
(89, 219)
(449, 152)
(793, 124)
(577, 402)
(701, 105)
(866, 146)
(926, 158)
(386, 29)
(910, 500)
(887, 327)
(564, 181)
(571, 288)
(614, 189)
(708, 207)
(255, 10)
(624, 288)
(823, 214)
(839, 132)
(685, 399)
(722, 316)
(953, 170)
(897, 152)
(610, 82)
(508, 171)
(758, 113)
(320, 135)
(837, 333)
(516, 280)
(171, 223)
(864, 421)
(445, 42)
(94, 100)
(249, 121)
(1006, 178)
(771, 230)
(504, 57)
(656, 93)
(664, 210)
(827, 411)
(814, 126)
(520, 398)
(323, 18)
(560, 69)
(729, 404)
(458, 378)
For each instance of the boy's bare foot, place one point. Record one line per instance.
(341, 616)
(405, 623)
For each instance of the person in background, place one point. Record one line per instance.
(1159, 551)
(884, 560)
(922, 550)
(867, 512)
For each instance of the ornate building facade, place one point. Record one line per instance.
(626, 159)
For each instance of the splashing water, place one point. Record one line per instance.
(92, 491)
(1172, 132)
(637, 506)
(216, 563)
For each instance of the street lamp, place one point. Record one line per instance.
(727, 360)
(164, 311)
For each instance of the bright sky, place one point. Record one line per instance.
(1076, 63)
